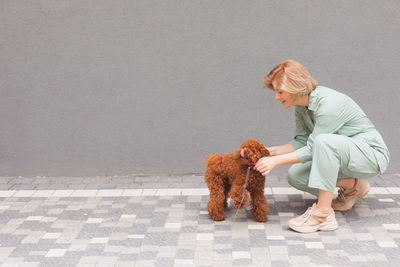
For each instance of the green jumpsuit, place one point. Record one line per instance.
(334, 139)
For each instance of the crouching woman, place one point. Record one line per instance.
(335, 145)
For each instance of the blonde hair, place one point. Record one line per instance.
(292, 77)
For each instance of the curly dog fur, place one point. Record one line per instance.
(226, 174)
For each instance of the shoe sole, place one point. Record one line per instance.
(363, 194)
(326, 227)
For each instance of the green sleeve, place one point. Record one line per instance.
(302, 132)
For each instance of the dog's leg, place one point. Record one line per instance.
(259, 206)
(215, 206)
(237, 196)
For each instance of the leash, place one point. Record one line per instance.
(244, 191)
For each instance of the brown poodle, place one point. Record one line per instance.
(226, 174)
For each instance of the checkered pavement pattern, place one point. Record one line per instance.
(166, 224)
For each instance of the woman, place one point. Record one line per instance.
(335, 144)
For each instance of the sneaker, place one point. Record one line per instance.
(313, 220)
(347, 197)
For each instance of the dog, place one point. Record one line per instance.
(226, 175)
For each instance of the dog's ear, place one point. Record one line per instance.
(253, 157)
(259, 151)
(237, 153)
(264, 151)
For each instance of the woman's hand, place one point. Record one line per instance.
(265, 165)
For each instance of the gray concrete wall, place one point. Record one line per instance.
(127, 87)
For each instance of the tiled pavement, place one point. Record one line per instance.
(162, 221)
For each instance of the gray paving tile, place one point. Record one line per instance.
(5, 186)
(164, 262)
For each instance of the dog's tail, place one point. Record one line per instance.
(213, 159)
(214, 163)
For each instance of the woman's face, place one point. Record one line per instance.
(287, 99)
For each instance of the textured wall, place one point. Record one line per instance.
(126, 87)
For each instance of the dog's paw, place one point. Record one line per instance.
(218, 217)
(260, 213)
(261, 218)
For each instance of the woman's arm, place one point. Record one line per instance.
(280, 150)
(266, 164)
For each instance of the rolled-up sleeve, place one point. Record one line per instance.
(301, 133)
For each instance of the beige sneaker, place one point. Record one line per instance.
(313, 220)
(346, 198)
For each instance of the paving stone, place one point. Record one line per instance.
(162, 221)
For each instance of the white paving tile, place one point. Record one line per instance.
(241, 255)
(168, 192)
(268, 191)
(110, 193)
(286, 214)
(195, 192)
(385, 200)
(7, 193)
(34, 218)
(56, 253)
(62, 193)
(88, 260)
(94, 220)
(358, 258)
(393, 190)
(132, 192)
(394, 226)
(99, 240)
(136, 236)
(275, 237)
(286, 191)
(128, 216)
(184, 261)
(378, 191)
(149, 192)
(173, 225)
(43, 193)
(205, 236)
(24, 193)
(84, 193)
(256, 227)
(162, 192)
(364, 236)
(51, 236)
(387, 244)
(317, 245)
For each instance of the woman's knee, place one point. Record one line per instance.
(328, 139)
(328, 142)
(290, 177)
(324, 139)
